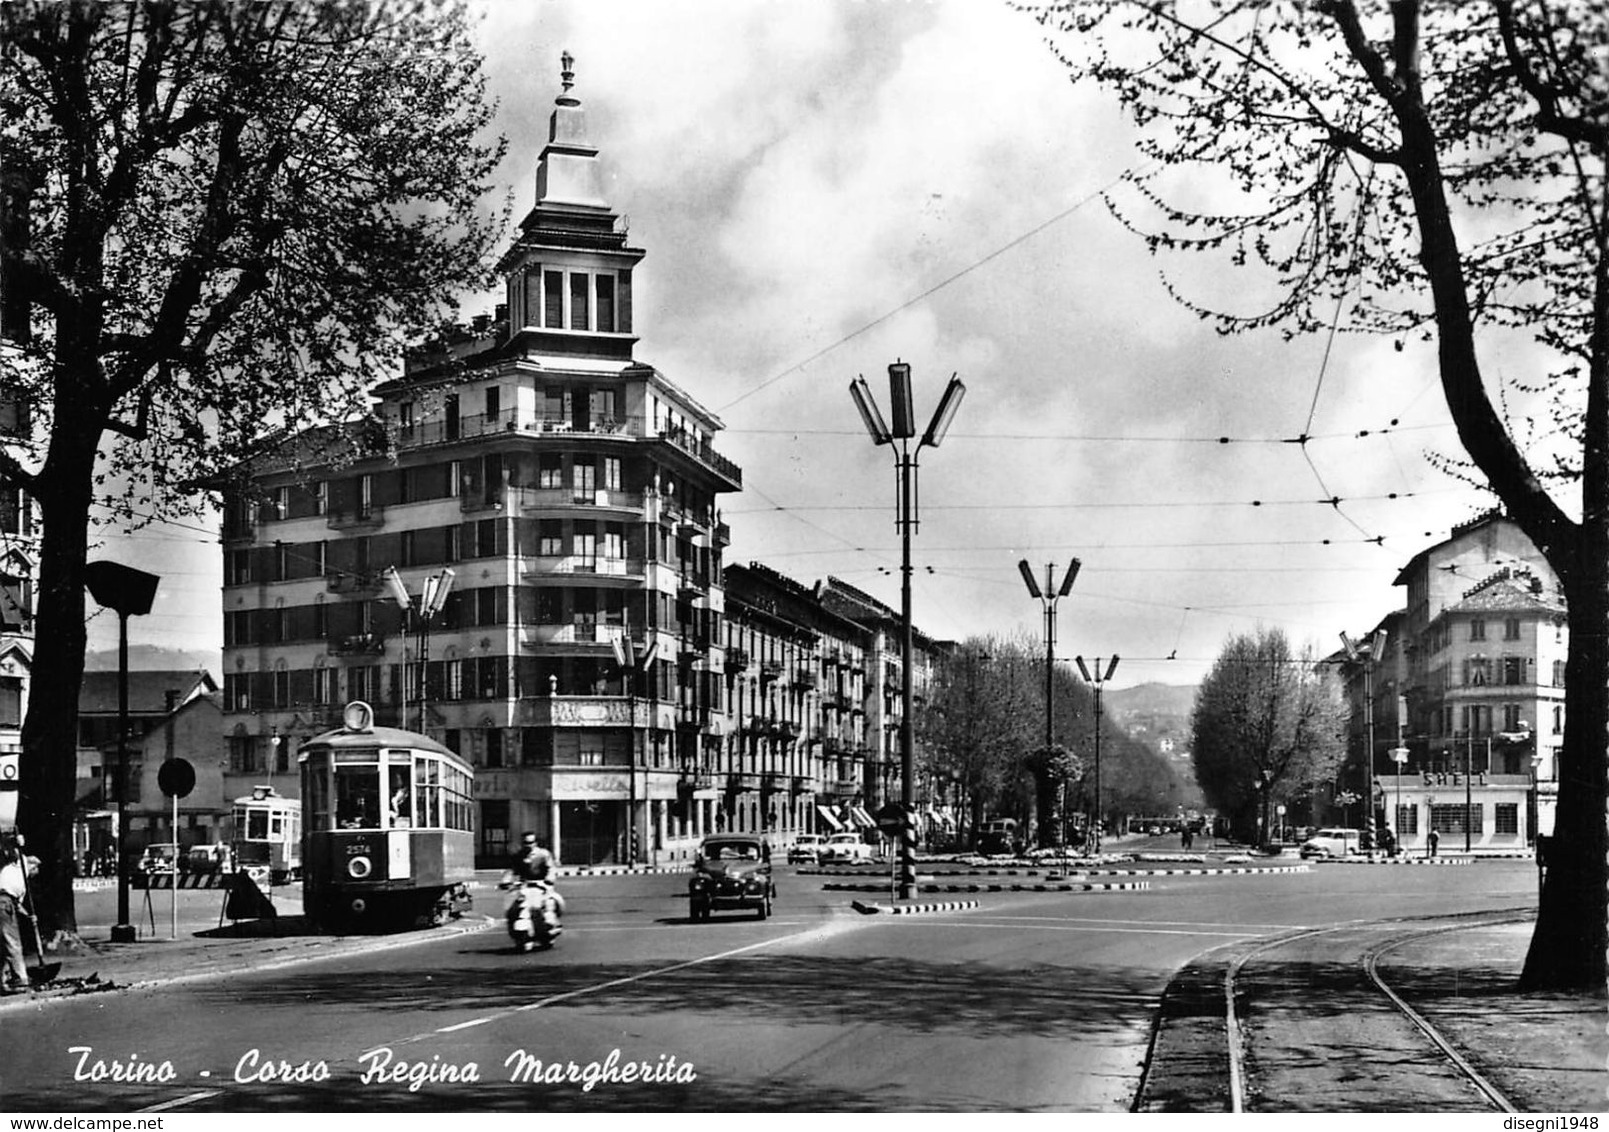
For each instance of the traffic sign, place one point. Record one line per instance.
(177, 778)
(891, 818)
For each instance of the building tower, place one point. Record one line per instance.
(571, 490)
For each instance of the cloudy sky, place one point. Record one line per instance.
(825, 187)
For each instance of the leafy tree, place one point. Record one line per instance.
(1412, 169)
(1052, 768)
(1267, 725)
(219, 217)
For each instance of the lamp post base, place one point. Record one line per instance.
(123, 933)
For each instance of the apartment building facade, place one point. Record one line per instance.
(1471, 687)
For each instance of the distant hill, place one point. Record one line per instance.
(153, 658)
(1152, 699)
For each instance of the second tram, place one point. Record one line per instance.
(389, 834)
(268, 835)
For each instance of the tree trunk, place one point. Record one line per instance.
(49, 772)
(1571, 939)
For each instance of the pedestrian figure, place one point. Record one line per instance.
(13, 887)
(1431, 840)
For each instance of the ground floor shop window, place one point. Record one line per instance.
(1450, 818)
(1407, 820)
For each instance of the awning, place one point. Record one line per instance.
(862, 818)
(827, 816)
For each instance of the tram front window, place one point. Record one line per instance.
(357, 797)
(256, 825)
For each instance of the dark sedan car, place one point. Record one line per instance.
(733, 871)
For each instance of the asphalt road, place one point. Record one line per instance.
(1030, 1002)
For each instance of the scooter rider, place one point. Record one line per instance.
(532, 864)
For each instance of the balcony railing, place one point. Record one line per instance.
(352, 583)
(737, 660)
(355, 518)
(581, 565)
(356, 644)
(701, 451)
(572, 633)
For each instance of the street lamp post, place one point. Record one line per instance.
(432, 597)
(905, 467)
(1048, 597)
(632, 667)
(1099, 681)
(1369, 654)
(128, 593)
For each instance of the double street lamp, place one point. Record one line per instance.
(432, 597)
(1048, 597)
(905, 467)
(1099, 681)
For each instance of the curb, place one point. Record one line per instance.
(334, 947)
(1116, 886)
(866, 909)
(1251, 871)
(1433, 861)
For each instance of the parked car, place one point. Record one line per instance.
(1334, 842)
(999, 837)
(806, 848)
(205, 860)
(732, 870)
(159, 858)
(845, 848)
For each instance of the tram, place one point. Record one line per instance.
(389, 836)
(268, 835)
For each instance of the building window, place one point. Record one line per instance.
(494, 403)
(1511, 717)
(321, 497)
(1558, 720)
(579, 307)
(409, 548)
(405, 419)
(1558, 673)
(1513, 670)
(324, 690)
(606, 303)
(1475, 671)
(452, 680)
(1450, 818)
(550, 538)
(1407, 820)
(553, 299)
(611, 473)
(550, 472)
(1507, 818)
(1511, 629)
(494, 747)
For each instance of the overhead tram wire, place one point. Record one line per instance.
(939, 286)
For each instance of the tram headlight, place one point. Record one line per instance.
(359, 868)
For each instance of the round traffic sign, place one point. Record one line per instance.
(176, 777)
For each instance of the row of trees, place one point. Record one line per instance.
(983, 727)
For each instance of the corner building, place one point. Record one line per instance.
(573, 492)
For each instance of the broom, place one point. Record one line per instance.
(42, 972)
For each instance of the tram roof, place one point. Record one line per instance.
(379, 737)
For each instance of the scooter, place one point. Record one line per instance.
(535, 916)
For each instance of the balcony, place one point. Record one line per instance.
(357, 644)
(582, 711)
(702, 452)
(540, 499)
(805, 677)
(355, 518)
(770, 669)
(579, 633)
(737, 660)
(572, 569)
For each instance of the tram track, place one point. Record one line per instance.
(1310, 1021)
(1318, 1001)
